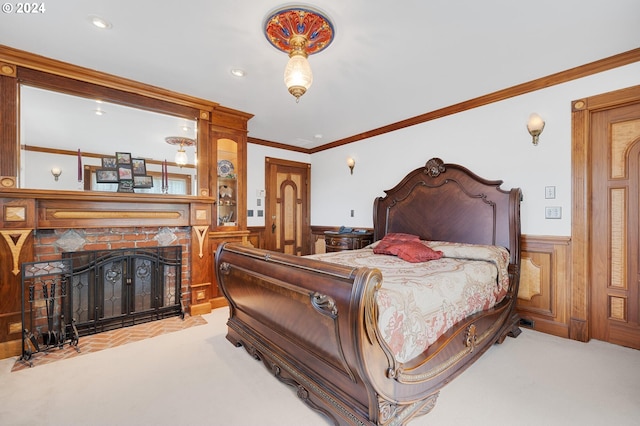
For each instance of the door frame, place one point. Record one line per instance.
(581, 171)
(306, 225)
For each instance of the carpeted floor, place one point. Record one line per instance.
(196, 377)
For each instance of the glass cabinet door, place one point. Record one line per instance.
(228, 167)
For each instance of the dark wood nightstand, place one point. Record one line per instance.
(351, 241)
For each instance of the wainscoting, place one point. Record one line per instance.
(544, 299)
(545, 292)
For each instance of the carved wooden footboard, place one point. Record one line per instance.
(314, 324)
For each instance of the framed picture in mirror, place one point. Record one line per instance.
(142, 181)
(123, 158)
(139, 166)
(125, 172)
(107, 175)
(125, 185)
(109, 163)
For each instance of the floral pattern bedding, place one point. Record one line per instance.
(418, 302)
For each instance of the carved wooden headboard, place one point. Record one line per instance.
(447, 202)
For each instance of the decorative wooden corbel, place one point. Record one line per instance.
(201, 231)
(15, 239)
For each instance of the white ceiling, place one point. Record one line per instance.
(389, 61)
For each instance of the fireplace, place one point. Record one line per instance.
(45, 224)
(89, 292)
(110, 289)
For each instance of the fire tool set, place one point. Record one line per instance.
(44, 302)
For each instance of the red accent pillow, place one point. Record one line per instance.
(417, 252)
(390, 242)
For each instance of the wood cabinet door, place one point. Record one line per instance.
(615, 282)
(287, 214)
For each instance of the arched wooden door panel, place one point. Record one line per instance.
(287, 219)
(615, 213)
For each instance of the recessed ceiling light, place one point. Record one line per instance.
(237, 72)
(100, 22)
(318, 136)
(99, 112)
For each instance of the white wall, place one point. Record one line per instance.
(492, 141)
(35, 171)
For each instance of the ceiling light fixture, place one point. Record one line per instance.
(299, 32)
(181, 156)
(99, 22)
(237, 72)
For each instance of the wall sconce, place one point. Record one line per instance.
(351, 163)
(299, 32)
(56, 172)
(535, 125)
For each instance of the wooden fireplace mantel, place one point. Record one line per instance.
(26, 212)
(44, 209)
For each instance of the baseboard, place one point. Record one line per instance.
(10, 348)
(200, 309)
(218, 302)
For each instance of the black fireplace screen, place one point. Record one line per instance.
(93, 291)
(116, 288)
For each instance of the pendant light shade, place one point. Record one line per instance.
(181, 157)
(297, 75)
(299, 32)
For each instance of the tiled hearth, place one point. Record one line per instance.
(111, 339)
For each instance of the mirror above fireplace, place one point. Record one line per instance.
(54, 126)
(40, 143)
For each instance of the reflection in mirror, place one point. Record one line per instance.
(78, 138)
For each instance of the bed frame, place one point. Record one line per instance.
(314, 324)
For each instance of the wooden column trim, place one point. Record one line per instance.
(580, 222)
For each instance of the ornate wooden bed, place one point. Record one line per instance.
(314, 323)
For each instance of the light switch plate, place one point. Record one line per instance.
(553, 212)
(549, 192)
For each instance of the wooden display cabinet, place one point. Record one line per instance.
(228, 137)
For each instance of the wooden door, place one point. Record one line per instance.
(615, 282)
(287, 219)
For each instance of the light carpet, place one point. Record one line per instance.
(196, 377)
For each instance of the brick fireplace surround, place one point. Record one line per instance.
(50, 243)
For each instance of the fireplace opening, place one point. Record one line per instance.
(110, 289)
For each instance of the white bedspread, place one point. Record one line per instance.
(418, 302)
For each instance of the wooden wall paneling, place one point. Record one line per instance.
(8, 121)
(17, 220)
(201, 259)
(580, 222)
(10, 297)
(215, 239)
(545, 284)
(256, 236)
(89, 214)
